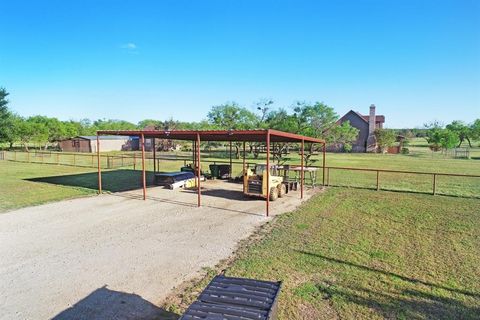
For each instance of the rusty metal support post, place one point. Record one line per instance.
(194, 154)
(244, 168)
(231, 163)
(434, 184)
(378, 180)
(154, 156)
(99, 167)
(144, 176)
(302, 172)
(198, 171)
(268, 174)
(324, 151)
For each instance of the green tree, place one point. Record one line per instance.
(385, 138)
(263, 107)
(281, 120)
(113, 124)
(462, 131)
(475, 129)
(149, 123)
(313, 120)
(342, 135)
(6, 119)
(231, 116)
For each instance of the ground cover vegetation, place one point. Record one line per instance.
(360, 254)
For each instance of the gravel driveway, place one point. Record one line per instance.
(116, 256)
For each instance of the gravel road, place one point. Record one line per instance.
(117, 256)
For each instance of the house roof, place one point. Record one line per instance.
(378, 118)
(216, 135)
(111, 137)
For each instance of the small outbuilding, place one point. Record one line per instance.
(89, 143)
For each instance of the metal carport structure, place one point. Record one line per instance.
(197, 136)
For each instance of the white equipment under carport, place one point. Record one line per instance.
(175, 180)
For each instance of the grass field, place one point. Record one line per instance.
(347, 253)
(361, 254)
(19, 190)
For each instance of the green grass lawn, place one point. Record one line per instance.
(360, 254)
(27, 184)
(17, 191)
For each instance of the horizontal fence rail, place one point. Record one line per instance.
(376, 179)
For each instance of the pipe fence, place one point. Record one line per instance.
(435, 183)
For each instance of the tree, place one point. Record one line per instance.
(112, 124)
(475, 129)
(439, 138)
(263, 106)
(342, 135)
(461, 130)
(50, 130)
(448, 139)
(6, 119)
(385, 138)
(231, 116)
(281, 120)
(313, 120)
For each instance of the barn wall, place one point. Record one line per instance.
(110, 145)
(75, 145)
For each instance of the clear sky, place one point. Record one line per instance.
(417, 60)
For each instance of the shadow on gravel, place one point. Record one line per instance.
(104, 303)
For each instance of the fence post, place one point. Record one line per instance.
(434, 183)
(328, 176)
(378, 179)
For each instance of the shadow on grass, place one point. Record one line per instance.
(387, 273)
(104, 303)
(393, 302)
(112, 181)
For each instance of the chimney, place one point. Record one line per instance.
(371, 120)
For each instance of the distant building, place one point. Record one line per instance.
(107, 143)
(366, 124)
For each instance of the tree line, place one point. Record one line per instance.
(311, 119)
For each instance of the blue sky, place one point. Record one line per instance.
(417, 60)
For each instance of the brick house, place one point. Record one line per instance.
(366, 124)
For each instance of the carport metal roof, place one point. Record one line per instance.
(216, 135)
(197, 136)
